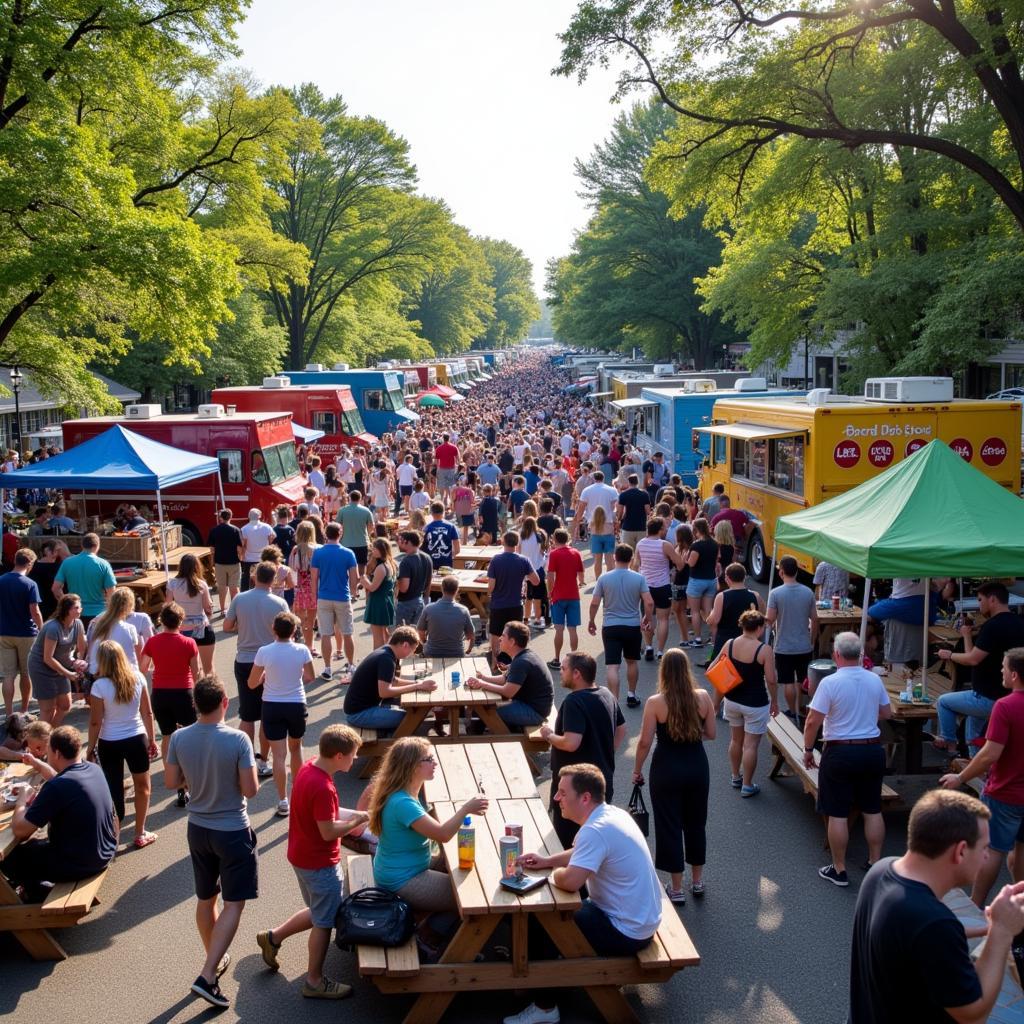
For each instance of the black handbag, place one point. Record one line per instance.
(373, 917)
(638, 810)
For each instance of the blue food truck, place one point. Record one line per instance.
(665, 418)
(378, 393)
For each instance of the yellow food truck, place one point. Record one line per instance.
(777, 456)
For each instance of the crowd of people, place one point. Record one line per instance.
(546, 476)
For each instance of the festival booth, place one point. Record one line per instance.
(121, 460)
(932, 514)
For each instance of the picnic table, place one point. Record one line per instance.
(473, 591)
(914, 715)
(503, 773)
(479, 554)
(151, 586)
(831, 623)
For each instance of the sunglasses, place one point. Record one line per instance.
(428, 760)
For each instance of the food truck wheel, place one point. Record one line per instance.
(190, 536)
(757, 558)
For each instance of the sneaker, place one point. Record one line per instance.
(282, 808)
(263, 769)
(659, 655)
(697, 888)
(649, 654)
(210, 991)
(554, 663)
(696, 643)
(225, 963)
(632, 701)
(327, 989)
(269, 948)
(533, 1014)
(183, 798)
(326, 674)
(736, 781)
(829, 873)
(748, 791)
(675, 895)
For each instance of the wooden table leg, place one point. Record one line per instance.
(520, 947)
(489, 716)
(37, 942)
(414, 718)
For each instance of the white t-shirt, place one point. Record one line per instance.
(316, 479)
(624, 883)
(282, 663)
(143, 624)
(566, 444)
(419, 499)
(907, 588)
(120, 721)
(585, 447)
(850, 699)
(600, 494)
(122, 633)
(256, 537)
(518, 451)
(406, 474)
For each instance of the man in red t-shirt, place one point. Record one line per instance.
(736, 518)
(1002, 757)
(446, 458)
(564, 578)
(315, 827)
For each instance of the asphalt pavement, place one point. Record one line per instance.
(773, 937)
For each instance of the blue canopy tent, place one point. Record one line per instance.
(119, 459)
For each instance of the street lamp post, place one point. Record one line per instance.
(17, 380)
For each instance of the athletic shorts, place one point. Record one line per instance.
(224, 862)
(566, 613)
(322, 890)
(751, 720)
(172, 708)
(250, 702)
(227, 575)
(205, 639)
(538, 591)
(14, 652)
(1006, 826)
(499, 618)
(361, 554)
(702, 588)
(662, 596)
(334, 613)
(621, 642)
(792, 668)
(283, 719)
(467, 520)
(850, 775)
(602, 543)
(446, 478)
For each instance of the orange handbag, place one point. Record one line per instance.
(724, 676)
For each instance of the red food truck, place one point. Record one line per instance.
(256, 451)
(327, 407)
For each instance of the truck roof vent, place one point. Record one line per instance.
(142, 412)
(340, 366)
(699, 385)
(909, 389)
(386, 365)
(280, 381)
(751, 384)
(818, 396)
(663, 369)
(213, 411)
(314, 367)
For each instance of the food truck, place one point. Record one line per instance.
(323, 407)
(378, 393)
(779, 455)
(256, 452)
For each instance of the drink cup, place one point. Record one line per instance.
(513, 828)
(510, 849)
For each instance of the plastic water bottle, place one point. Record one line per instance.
(456, 681)
(467, 843)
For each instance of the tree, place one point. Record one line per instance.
(515, 304)
(115, 140)
(346, 195)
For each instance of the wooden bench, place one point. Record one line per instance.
(399, 962)
(65, 905)
(788, 746)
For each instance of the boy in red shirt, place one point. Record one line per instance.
(564, 577)
(315, 827)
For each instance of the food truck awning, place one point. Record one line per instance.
(602, 394)
(749, 431)
(633, 403)
(307, 435)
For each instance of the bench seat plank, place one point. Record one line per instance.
(371, 959)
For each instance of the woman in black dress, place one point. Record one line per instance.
(681, 715)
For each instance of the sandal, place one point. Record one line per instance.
(144, 840)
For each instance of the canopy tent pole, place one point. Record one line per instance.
(864, 614)
(771, 576)
(924, 641)
(163, 534)
(220, 491)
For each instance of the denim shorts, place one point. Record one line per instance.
(602, 543)
(701, 588)
(1006, 826)
(321, 890)
(565, 613)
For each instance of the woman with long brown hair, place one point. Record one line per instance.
(192, 593)
(300, 561)
(404, 830)
(121, 731)
(681, 715)
(55, 661)
(379, 582)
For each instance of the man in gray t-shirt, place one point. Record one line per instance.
(445, 627)
(623, 592)
(793, 613)
(251, 615)
(216, 763)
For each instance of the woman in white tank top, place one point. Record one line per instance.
(654, 559)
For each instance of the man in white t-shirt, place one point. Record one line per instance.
(566, 443)
(597, 494)
(585, 447)
(284, 669)
(610, 857)
(256, 535)
(406, 475)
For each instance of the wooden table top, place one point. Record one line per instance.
(848, 616)
(469, 579)
(503, 771)
(938, 684)
(15, 772)
(479, 553)
(441, 669)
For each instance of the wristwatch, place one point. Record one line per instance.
(808, 750)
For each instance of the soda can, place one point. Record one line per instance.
(835, 602)
(513, 828)
(456, 680)
(510, 848)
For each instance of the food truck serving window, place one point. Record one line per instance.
(352, 422)
(325, 421)
(230, 465)
(373, 400)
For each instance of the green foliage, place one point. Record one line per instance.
(515, 304)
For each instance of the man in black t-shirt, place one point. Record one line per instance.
(588, 730)
(415, 571)
(1001, 632)
(369, 699)
(909, 960)
(525, 684)
(227, 546)
(632, 512)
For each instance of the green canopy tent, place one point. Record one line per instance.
(431, 400)
(933, 514)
